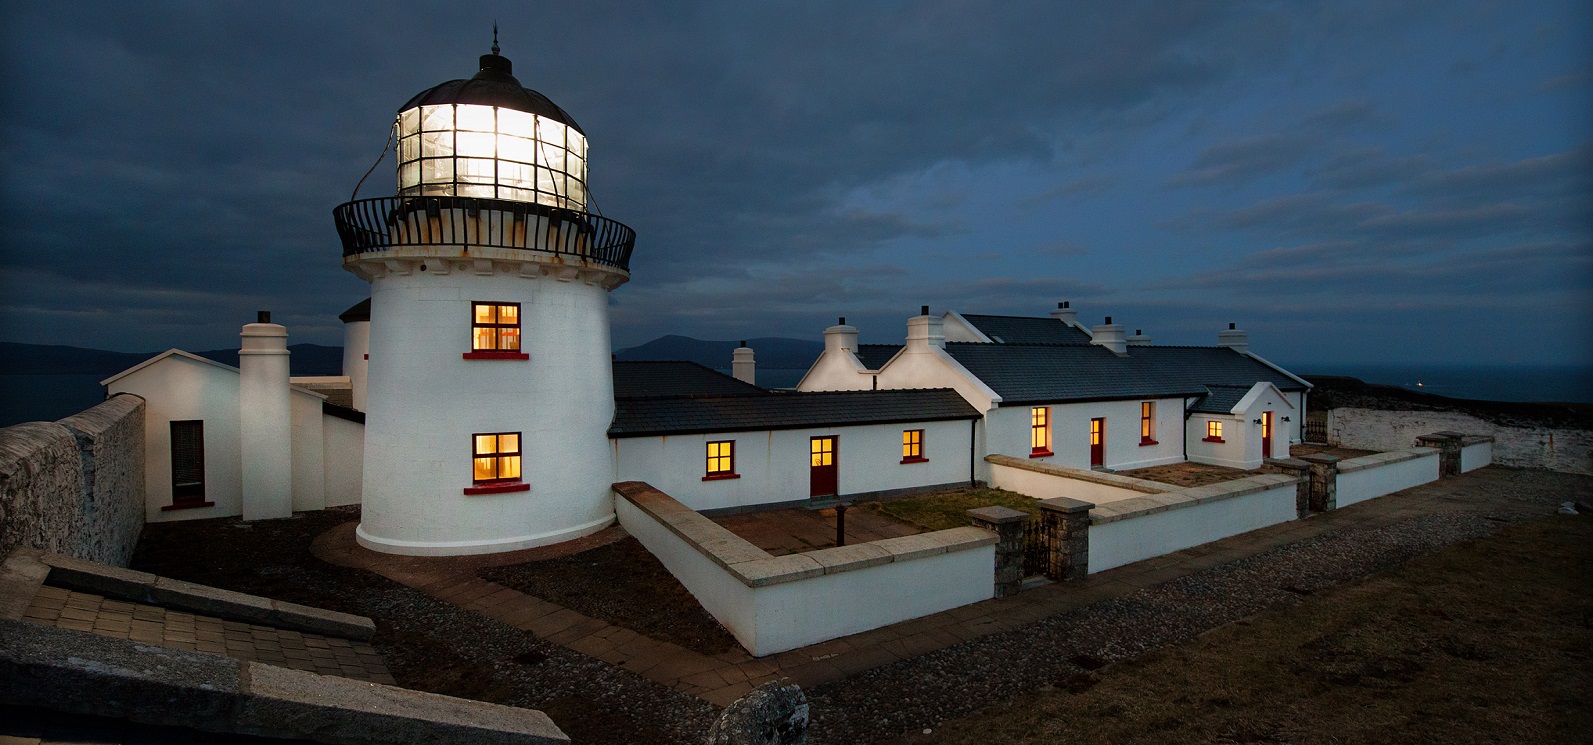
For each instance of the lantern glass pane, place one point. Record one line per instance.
(552, 156)
(551, 132)
(475, 118)
(435, 118)
(434, 144)
(517, 123)
(476, 170)
(408, 175)
(518, 195)
(409, 148)
(485, 191)
(437, 170)
(476, 144)
(517, 148)
(516, 174)
(577, 194)
(409, 122)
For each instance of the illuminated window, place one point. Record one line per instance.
(913, 446)
(1040, 431)
(495, 327)
(823, 451)
(1147, 423)
(721, 460)
(1214, 432)
(497, 457)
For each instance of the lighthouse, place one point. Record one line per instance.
(489, 387)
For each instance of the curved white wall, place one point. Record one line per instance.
(424, 402)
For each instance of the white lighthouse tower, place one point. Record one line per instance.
(489, 391)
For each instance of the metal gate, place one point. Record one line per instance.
(1316, 427)
(1039, 536)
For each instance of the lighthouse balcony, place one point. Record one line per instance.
(394, 232)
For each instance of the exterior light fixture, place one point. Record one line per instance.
(1285, 419)
(1257, 421)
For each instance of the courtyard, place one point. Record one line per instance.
(565, 629)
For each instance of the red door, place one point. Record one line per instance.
(1097, 442)
(1266, 434)
(823, 475)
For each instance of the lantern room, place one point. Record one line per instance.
(491, 137)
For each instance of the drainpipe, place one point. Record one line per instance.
(1185, 403)
(973, 448)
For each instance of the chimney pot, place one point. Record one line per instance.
(923, 310)
(743, 343)
(263, 316)
(1230, 327)
(1108, 319)
(843, 321)
(1137, 332)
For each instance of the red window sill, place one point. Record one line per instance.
(1040, 454)
(1213, 439)
(186, 506)
(915, 460)
(721, 476)
(1143, 443)
(482, 355)
(499, 488)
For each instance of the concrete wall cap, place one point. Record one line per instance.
(1384, 459)
(776, 570)
(847, 558)
(997, 515)
(1109, 479)
(1066, 505)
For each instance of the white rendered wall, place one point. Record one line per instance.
(922, 366)
(1370, 483)
(774, 465)
(343, 459)
(425, 403)
(1070, 433)
(836, 370)
(1134, 539)
(1047, 486)
(1560, 449)
(356, 350)
(309, 453)
(179, 389)
(265, 422)
(1473, 457)
(776, 618)
(1230, 452)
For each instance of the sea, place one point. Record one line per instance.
(30, 398)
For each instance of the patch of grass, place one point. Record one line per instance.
(1484, 642)
(943, 511)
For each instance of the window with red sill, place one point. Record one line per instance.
(1040, 431)
(497, 463)
(1214, 432)
(913, 446)
(495, 332)
(721, 461)
(1147, 423)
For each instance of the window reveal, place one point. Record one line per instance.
(913, 446)
(497, 457)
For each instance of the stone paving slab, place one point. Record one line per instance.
(151, 624)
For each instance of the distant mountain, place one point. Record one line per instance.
(51, 359)
(770, 351)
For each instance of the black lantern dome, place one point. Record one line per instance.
(495, 85)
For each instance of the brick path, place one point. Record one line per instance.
(722, 678)
(782, 532)
(151, 624)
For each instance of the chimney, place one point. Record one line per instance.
(1234, 339)
(1064, 312)
(1110, 335)
(1139, 339)
(742, 366)
(265, 421)
(839, 337)
(925, 331)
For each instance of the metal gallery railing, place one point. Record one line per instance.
(386, 223)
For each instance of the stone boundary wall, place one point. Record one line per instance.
(776, 603)
(1554, 449)
(76, 486)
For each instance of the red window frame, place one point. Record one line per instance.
(913, 446)
(1147, 423)
(1213, 431)
(1040, 432)
(498, 457)
(721, 460)
(500, 345)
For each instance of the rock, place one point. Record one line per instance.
(1568, 508)
(774, 713)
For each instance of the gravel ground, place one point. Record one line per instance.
(917, 694)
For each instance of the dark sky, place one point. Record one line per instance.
(1351, 181)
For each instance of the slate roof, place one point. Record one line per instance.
(1035, 373)
(648, 417)
(675, 378)
(1220, 399)
(874, 356)
(1025, 330)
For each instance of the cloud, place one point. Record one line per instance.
(1242, 159)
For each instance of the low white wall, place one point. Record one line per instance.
(1475, 456)
(720, 593)
(1373, 476)
(1040, 485)
(774, 604)
(1131, 539)
(343, 459)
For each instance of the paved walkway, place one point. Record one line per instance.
(152, 624)
(722, 678)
